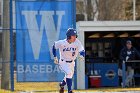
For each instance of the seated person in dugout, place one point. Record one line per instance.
(126, 54)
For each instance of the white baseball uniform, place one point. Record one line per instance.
(68, 53)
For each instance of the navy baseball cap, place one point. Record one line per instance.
(128, 42)
(71, 32)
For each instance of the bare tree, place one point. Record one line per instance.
(108, 9)
(112, 9)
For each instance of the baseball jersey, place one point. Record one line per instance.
(68, 51)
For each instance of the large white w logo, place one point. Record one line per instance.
(47, 23)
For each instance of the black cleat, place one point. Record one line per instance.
(61, 89)
(71, 91)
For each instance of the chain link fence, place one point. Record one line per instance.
(22, 86)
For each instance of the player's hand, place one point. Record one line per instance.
(81, 58)
(55, 60)
(127, 57)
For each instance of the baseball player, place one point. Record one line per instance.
(69, 48)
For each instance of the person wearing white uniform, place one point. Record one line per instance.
(68, 49)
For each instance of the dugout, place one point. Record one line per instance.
(103, 41)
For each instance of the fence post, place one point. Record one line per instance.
(11, 47)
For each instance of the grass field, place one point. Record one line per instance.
(33, 86)
(77, 91)
(52, 87)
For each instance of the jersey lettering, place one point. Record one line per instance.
(69, 49)
(73, 53)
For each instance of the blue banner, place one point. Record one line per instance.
(39, 23)
(108, 72)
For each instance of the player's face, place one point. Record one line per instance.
(73, 38)
(128, 45)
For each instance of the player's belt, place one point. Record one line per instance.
(66, 61)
